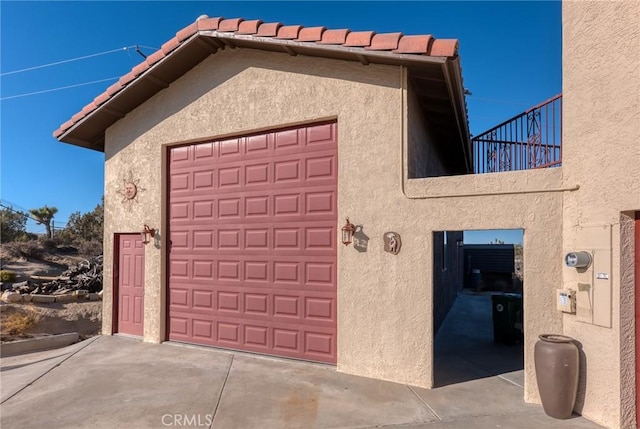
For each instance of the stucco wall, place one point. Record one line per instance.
(385, 302)
(601, 152)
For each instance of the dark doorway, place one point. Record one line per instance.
(479, 331)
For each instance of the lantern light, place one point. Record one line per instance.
(347, 232)
(147, 234)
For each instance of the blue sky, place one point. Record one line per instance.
(510, 54)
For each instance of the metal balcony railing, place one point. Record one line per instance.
(530, 140)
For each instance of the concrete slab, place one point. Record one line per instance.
(298, 395)
(515, 377)
(481, 397)
(528, 420)
(112, 382)
(118, 382)
(18, 372)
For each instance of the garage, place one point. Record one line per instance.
(252, 252)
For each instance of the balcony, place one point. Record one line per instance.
(527, 141)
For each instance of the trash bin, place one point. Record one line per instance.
(476, 278)
(507, 318)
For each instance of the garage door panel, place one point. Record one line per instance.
(285, 204)
(253, 230)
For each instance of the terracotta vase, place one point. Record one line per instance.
(557, 359)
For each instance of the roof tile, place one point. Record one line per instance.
(444, 48)
(394, 42)
(289, 32)
(89, 108)
(359, 38)
(187, 32)
(64, 127)
(269, 29)
(101, 98)
(140, 68)
(230, 24)
(127, 78)
(334, 37)
(75, 118)
(155, 57)
(310, 34)
(249, 27)
(208, 23)
(170, 45)
(385, 41)
(113, 89)
(414, 45)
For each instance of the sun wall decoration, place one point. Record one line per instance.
(130, 191)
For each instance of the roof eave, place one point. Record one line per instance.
(208, 42)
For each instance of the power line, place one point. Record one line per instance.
(9, 206)
(12, 204)
(69, 61)
(58, 89)
(19, 212)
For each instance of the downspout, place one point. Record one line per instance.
(405, 162)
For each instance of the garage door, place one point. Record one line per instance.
(252, 259)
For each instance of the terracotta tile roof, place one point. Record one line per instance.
(394, 43)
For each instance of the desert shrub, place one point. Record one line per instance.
(50, 243)
(7, 276)
(17, 321)
(27, 236)
(25, 249)
(90, 248)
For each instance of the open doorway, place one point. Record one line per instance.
(478, 306)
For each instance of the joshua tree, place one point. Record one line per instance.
(43, 216)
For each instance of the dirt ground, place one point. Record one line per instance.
(83, 317)
(28, 320)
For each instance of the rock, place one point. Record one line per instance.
(65, 298)
(23, 287)
(81, 293)
(6, 286)
(46, 299)
(27, 297)
(87, 275)
(9, 296)
(94, 297)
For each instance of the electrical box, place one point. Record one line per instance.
(566, 301)
(591, 274)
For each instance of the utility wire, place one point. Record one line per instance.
(19, 212)
(12, 204)
(25, 213)
(58, 89)
(70, 60)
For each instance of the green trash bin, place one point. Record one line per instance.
(507, 318)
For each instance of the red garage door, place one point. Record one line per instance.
(252, 260)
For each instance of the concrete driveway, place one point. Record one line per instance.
(109, 382)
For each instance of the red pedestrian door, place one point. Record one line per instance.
(130, 285)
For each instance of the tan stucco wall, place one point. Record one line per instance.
(601, 152)
(384, 301)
